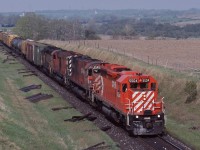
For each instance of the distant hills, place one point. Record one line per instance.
(169, 16)
(128, 23)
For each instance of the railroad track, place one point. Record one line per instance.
(118, 134)
(169, 142)
(160, 143)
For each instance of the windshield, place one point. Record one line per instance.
(139, 86)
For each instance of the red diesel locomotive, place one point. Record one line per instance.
(126, 96)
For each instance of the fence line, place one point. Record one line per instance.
(180, 67)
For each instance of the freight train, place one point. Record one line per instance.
(128, 97)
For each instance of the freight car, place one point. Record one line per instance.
(16, 44)
(1, 35)
(8, 38)
(127, 97)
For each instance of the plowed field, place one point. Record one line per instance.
(177, 54)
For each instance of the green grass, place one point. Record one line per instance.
(187, 134)
(181, 117)
(25, 125)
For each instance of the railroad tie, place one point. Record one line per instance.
(28, 75)
(31, 87)
(38, 97)
(78, 118)
(60, 108)
(26, 71)
(95, 146)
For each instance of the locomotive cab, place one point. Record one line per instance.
(130, 98)
(144, 111)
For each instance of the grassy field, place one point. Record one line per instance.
(183, 120)
(26, 125)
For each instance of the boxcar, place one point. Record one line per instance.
(30, 51)
(38, 48)
(23, 47)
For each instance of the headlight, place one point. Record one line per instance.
(137, 117)
(158, 116)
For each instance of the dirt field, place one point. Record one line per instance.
(176, 54)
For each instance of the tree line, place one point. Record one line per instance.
(38, 27)
(8, 21)
(148, 28)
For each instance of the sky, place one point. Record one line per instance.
(32, 5)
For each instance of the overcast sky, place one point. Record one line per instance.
(32, 5)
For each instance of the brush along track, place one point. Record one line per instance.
(118, 134)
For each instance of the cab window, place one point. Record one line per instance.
(139, 85)
(143, 85)
(89, 72)
(133, 85)
(103, 72)
(124, 88)
(54, 56)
